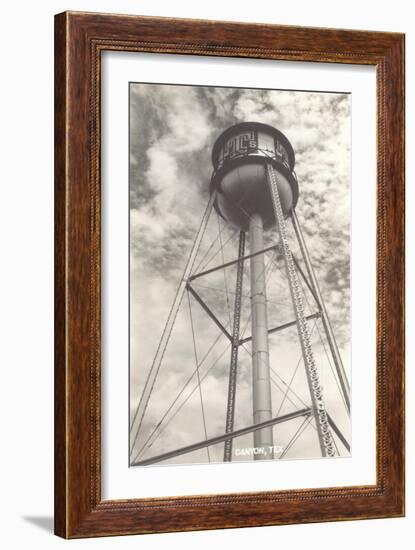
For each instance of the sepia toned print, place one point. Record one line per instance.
(239, 274)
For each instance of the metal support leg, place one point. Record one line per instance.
(341, 373)
(261, 381)
(230, 410)
(313, 379)
(153, 372)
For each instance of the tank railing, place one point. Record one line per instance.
(265, 152)
(278, 158)
(247, 153)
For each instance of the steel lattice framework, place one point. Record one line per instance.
(324, 423)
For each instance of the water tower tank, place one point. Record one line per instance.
(239, 159)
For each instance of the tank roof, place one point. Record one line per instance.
(242, 126)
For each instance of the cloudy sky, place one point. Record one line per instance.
(172, 130)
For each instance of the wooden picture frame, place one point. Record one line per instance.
(79, 40)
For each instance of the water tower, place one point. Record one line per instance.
(254, 189)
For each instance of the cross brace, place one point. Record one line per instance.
(337, 431)
(208, 311)
(249, 338)
(222, 438)
(282, 327)
(227, 264)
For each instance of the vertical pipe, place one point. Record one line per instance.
(262, 409)
(341, 373)
(233, 370)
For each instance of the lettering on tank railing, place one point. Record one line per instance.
(250, 142)
(240, 144)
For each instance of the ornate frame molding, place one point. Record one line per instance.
(79, 40)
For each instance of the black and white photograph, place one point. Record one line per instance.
(239, 274)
